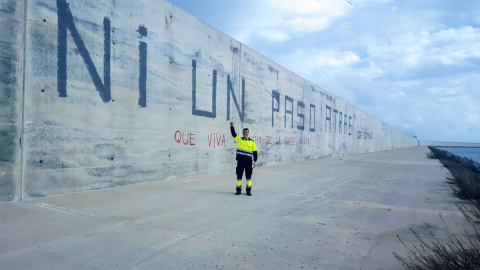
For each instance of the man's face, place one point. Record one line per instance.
(245, 133)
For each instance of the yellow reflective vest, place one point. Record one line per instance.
(245, 147)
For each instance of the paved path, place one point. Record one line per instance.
(336, 213)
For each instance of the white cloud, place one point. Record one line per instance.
(274, 35)
(307, 62)
(472, 118)
(280, 20)
(395, 71)
(415, 49)
(458, 44)
(330, 59)
(407, 83)
(324, 7)
(301, 25)
(445, 90)
(397, 95)
(367, 2)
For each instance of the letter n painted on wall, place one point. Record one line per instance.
(230, 91)
(66, 22)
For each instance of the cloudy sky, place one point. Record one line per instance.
(415, 64)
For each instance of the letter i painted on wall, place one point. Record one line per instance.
(142, 79)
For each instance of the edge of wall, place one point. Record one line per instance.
(12, 14)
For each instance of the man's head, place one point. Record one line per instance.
(245, 132)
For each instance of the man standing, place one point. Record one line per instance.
(246, 151)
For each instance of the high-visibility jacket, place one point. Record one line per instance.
(246, 148)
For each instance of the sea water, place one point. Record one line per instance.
(470, 153)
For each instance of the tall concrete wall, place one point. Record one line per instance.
(11, 91)
(121, 92)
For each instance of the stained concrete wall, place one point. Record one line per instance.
(121, 92)
(11, 87)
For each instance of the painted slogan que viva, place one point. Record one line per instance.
(342, 123)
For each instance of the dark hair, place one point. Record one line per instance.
(246, 129)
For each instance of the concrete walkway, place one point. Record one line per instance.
(336, 213)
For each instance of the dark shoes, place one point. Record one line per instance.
(239, 191)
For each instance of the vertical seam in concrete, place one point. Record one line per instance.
(304, 134)
(240, 84)
(240, 64)
(22, 132)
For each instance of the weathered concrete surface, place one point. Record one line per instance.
(11, 80)
(335, 213)
(121, 92)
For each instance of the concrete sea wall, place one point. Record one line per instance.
(98, 94)
(11, 90)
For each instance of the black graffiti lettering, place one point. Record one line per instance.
(142, 79)
(340, 119)
(335, 111)
(350, 126)
(106, 64)
(62, 49)
(364, 135)
(312, 119)
(328, 118)
(230, 90)
(300, 115)
(289, 110)
(289, 99)
(65, 23)
(275, 97)
(202, 113)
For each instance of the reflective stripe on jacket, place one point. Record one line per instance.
(245, 147)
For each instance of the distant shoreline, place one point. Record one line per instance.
(449, 144)
(466, 162)
(457, 146)
(472, 153)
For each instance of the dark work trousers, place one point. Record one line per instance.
(244, 164)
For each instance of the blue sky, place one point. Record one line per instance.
(415, 64)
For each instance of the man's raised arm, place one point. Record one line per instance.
(232, 130)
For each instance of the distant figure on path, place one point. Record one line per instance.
(246, 153)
